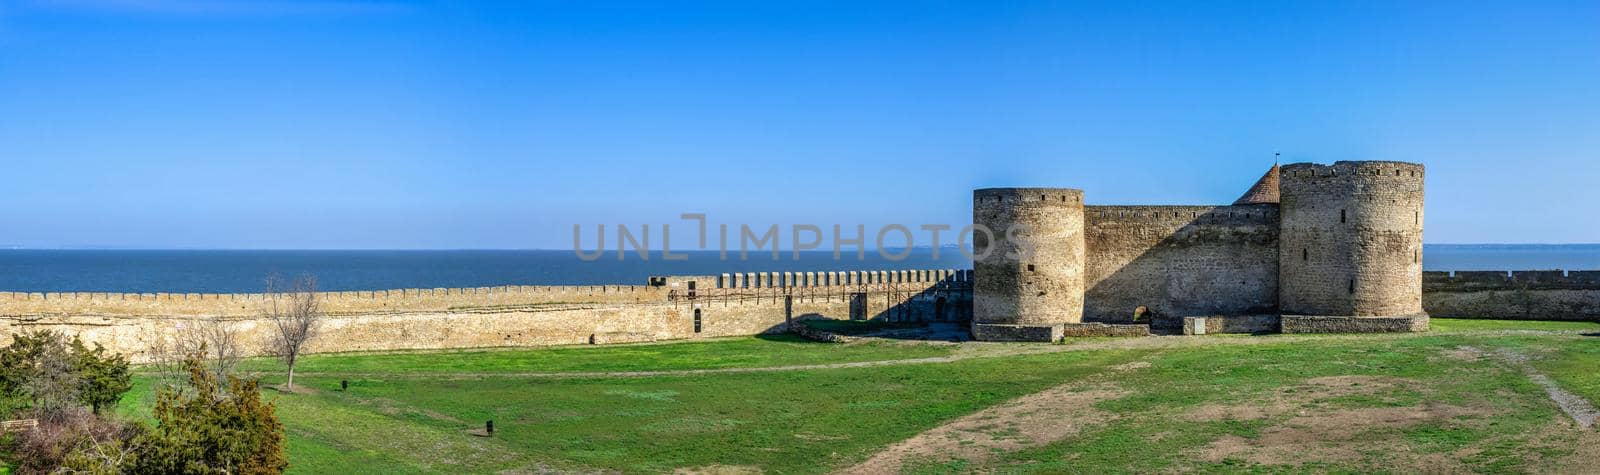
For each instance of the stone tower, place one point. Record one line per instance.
(1037, 291)
(1351, 239)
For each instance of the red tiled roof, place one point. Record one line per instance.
(1264, 191)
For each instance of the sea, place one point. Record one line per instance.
(238, 271)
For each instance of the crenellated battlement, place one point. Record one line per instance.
(1029, 196)
(747, 280)
(1466, 281)
(325, 296)
(1183, 214)
(1525, 294)
(244, 304)
(1305, 172)
(660, 290)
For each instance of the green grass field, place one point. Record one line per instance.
(736, 352)
(1337, 403)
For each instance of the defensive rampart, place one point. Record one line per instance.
(508, 316)
(1531, 295)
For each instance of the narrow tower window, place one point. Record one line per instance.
(697, 320)
(1305, 254)
(1352, 286)
(1341, 216)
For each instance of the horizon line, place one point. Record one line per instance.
(607, 250)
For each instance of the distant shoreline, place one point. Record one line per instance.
(486, 249)
(243, 271)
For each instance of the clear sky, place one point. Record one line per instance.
(289, 124)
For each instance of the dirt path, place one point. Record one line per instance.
(1581, 410)
(1029, 421)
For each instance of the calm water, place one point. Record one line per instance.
(1453, 257)
(243, 271)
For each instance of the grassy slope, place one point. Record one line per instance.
(812, 421)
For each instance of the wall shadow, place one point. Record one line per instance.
(939, 311)
(1185, 261)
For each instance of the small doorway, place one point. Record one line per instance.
(938, 309)
(858, 306)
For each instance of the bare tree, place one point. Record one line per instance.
(221, 346)
(215, 341)
(292, 307)
(165, 355)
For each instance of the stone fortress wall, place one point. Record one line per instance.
(1151, 261)
(1310, 248)
(669, 308)
(1516, 295)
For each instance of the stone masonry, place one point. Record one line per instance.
(723, 305)
(1328, 247)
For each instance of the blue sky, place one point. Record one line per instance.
(286, 124)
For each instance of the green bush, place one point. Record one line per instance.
(42, 370)
(212, 430)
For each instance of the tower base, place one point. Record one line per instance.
(1051, 333)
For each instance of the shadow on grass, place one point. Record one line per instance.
(1594, 334)
(914, 331)
(860, 327)
(786, 338)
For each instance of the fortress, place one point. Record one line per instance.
(1309, 248)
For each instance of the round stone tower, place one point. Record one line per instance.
(1351, 239)
(1012, 286)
